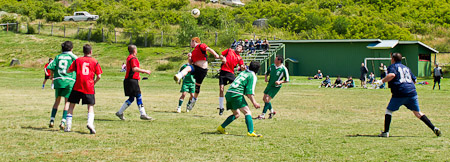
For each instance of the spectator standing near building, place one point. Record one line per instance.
(364, 71)
(383, 73)
(438, 74)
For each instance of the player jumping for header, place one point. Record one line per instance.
(401, 81)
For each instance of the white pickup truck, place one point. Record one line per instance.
(81, 16)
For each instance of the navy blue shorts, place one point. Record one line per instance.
(412, 103)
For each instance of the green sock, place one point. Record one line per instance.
(53, 113)
(229, 120)
(249, 122)
(266, 107)
(180, 102)
(64, 115)
(189, 102)
(270, 106)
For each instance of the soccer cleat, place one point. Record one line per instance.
(191, 106)
(384, 134)
(260, 117)
(221, 130)
(120, 116)
(272, 114)
(178, 110)
(61, 126)
(221, 111)
(52, 123)
(253, 134)
(146, 117)
(437, 131)
(68, 128)
(177, 78)
(91, 129)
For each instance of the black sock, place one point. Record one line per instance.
(387, 122)
(427, 122)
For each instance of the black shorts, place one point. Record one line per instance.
(199, 73)
(437, 79)
(226, 77)
(75, 97)
(131, 87)
(362, 78)
(46, 77)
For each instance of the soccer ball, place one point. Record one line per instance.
(195, 12)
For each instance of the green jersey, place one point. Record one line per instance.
(188, 79)
(244, 84)
(277, 74)
(59, 66)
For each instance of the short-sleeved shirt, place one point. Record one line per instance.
(47, 70)
(438, 72)
(189, 78)
(59, 66)
(132, 62)
(233, 59)
(338, 81)
(244, 84)
(86, 69)
(403, 83)
(327, 81)
(199, 53)
(277, 74)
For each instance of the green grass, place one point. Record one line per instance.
(311, 125)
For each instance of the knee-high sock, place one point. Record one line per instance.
(64, 116)
(139, 99)
(427, 122)
(126, 105)
(52, 117)
(387, 122)
(230, 119)
(249, 122)
(266, 107)
(69, 120)
(90, 119)
(221, 99)
(180, 102)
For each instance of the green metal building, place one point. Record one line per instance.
(344, 57)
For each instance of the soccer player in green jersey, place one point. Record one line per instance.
(243, 85)
(63, 81)
(277, 72)
(188, 86)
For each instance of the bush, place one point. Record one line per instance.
(164, 67)
(30, 29)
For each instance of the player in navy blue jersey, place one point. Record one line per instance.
(401, 81)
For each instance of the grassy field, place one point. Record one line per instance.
(311, 125)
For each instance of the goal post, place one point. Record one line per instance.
(373, 66)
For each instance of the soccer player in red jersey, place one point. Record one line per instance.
(47, 73)
(86, 68)
(226, 75)
(198, 67)
(131, 84)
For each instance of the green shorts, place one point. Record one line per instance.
(234, 103)
(190, 88)
(272, 91)
(65, 92)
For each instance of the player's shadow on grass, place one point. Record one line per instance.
(170, 112)
(217, 133)
(371, 135)
(41, 128)
(108, 120)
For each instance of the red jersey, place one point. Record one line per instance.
(232, 60)
(86, 69)
(48, 70)
(132, 62)
(199, 53)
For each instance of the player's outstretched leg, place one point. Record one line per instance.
(177, 77)
(144, 115)
(231, 118)
(54, 111)
(427, 121)
(387, 123)
(249, 122)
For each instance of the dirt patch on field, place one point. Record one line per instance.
(32, 37)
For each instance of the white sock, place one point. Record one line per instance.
(124, 107)
(271, 110)
(142, 109)
(53, 87)
(193, 100)
(179, 74)
(90, 119)
(63, 120)
(221, 99)
(262, 115)
(52, 118)
(69, 119)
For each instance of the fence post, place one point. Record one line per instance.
(18, 27)
(103, 36)
(145, 41)
(131, 38)
(6, 27)
(162, 38)
(39, 28)
(64, 31)
(27, 28)
(274, 37)
(115, 36)
(89, 35)
(51, 32)
(78, 31)
(215, 41)
(254, 36)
